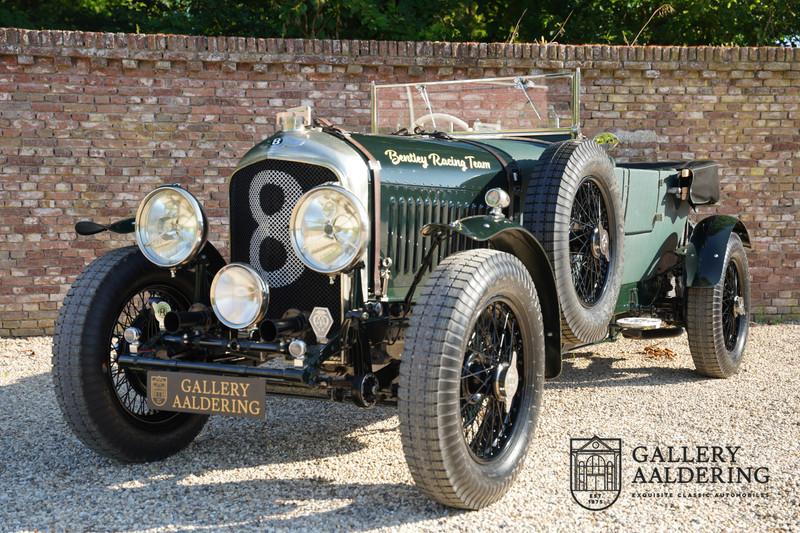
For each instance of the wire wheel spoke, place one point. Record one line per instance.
(488, 421)
(129, 385)
(731, 320)
(588, 219)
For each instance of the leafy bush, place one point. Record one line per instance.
(738, 22)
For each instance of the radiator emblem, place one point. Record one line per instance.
(321, 322)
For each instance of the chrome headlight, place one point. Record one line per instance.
(170, 226)
(239, 296)
(329, 229)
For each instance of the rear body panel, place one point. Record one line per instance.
(655, 224)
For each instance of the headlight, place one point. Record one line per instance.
(329, 229)
(239, 296)
(170, 226)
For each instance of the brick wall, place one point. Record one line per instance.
(90, 122)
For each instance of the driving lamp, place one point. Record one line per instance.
(497, 199)
(239, 296)
(329, 229)
(170, 226)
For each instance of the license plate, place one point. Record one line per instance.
(202, 393)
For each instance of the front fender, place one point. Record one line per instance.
(510, 237)
(705, 254)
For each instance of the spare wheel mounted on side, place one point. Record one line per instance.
(573, 206)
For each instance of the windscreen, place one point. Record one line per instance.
(496, 105)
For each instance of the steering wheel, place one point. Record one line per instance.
(444, 117)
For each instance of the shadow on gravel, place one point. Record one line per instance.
(51, 481)
(601, 372)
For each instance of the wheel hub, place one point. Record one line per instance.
(600, 243)
(506, 380)
(738, 306)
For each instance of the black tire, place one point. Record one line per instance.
(716, 325)
(85, 375)
(588, 278)
(435, 395)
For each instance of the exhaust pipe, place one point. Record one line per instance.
(270, 329)
(176, 321)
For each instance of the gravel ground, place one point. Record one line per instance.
(315, 465)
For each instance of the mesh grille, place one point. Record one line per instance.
(262, 197)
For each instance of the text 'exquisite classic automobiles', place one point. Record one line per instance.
(444, 262)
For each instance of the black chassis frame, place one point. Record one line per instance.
(363, 336)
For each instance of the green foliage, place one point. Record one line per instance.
(737, 22)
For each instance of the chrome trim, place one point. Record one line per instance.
(363, 222)
(512, 79)
(576, 103)
(314, 147)
(200, 239)
(264, 295)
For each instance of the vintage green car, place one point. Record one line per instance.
(444, 262)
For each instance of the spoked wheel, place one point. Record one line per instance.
(717, 318)
(733, 309)
(589, 243)
(471, 378)
(490, 380)
(573, 206)
(105, 405)
(130, 385)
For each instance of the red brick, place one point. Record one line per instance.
(88, 126)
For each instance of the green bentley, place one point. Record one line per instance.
(443, 262)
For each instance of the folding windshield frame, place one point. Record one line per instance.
(572, 130)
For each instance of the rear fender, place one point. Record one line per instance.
(512, 238)
(705, 254)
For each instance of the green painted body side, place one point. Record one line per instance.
(416, 191)
(705, 253)
(425, 180)
(431, 180)
(438, 163)
(655, 224)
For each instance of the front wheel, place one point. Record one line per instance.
(104, 404)
(718, 317)
(471, 378)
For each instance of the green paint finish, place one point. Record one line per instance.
(427, 162)
(654, 226)
(643, 192)
(425, 180)
(628, 294)
(484, 228)
(524, 151)
(405, 210)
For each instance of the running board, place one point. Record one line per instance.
(659, 333)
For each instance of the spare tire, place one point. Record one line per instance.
(573, 206)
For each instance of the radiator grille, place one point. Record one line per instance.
(408, 211)
(262, 197)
